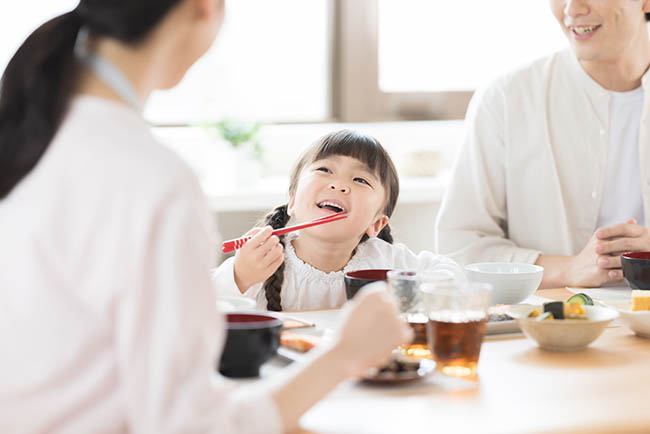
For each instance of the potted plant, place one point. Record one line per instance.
(243, 139)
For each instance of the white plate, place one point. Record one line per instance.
(638, 321)
(500, 327)
(295, 356)
(606, 293)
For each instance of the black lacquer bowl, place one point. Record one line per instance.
(636, 269)
(251, 340)
(354, 280)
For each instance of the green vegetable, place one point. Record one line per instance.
(581, 298)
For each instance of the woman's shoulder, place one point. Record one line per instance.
(105, 142)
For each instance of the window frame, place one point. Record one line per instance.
(355, 87)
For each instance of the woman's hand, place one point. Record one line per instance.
(258, 259)
(371, 329)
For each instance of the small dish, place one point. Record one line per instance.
(315, 334)
(512, 283)
(232, 303)
(638, 321)
(636, 269)
(400, 370)
(564, 335)
(499, 322)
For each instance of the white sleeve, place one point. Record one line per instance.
(169, 334)
(223, 279)
(473, 219)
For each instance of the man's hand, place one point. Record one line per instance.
(585, 269)
(618, 239)
(600, 260)
(258, 259)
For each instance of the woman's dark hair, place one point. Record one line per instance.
(37, 85)
(350, 144)
(647, 17)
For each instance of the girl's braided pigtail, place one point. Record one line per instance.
(278, 218)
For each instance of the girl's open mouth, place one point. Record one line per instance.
(330, 205)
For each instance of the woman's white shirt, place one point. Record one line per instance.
(305, 287)
(108, 317)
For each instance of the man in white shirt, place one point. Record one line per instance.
(555, 165)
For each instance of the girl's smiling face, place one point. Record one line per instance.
(340, 183)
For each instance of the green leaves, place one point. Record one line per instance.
(239, 134)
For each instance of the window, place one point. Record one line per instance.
(421, 59)
(271, 62)
(438, 46)
(346, 60)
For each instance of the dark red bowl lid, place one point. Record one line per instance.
(637, 255)
(372, 274)
(251, 321)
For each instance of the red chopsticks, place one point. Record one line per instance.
(238, 243)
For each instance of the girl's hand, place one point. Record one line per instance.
(258, 259)
(371, 329)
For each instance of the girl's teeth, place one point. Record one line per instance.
(332, 206)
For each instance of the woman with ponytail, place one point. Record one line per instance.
(106, 245)
(343, 171)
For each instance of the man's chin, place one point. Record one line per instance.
(590, 54)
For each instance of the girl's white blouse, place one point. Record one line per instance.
(305, 287)
(108, 320)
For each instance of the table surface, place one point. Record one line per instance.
(521, 389)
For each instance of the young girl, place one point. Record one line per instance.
(343, 171)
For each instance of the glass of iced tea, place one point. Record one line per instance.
(404, 285)
(457, 313)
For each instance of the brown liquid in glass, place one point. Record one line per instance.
(456, 346)
(419, 347)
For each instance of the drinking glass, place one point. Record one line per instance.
(457, 314)
(404, 284)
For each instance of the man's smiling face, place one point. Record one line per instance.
(601, 30)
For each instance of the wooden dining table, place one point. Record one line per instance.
(520, 389)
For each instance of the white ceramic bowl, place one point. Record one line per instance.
(563, 334)
(512, 282)
(638, 321)
(227, 303)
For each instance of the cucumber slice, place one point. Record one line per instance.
(581, 298)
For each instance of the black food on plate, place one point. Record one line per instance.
(556, 308)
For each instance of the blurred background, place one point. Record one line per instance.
(285, 72)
